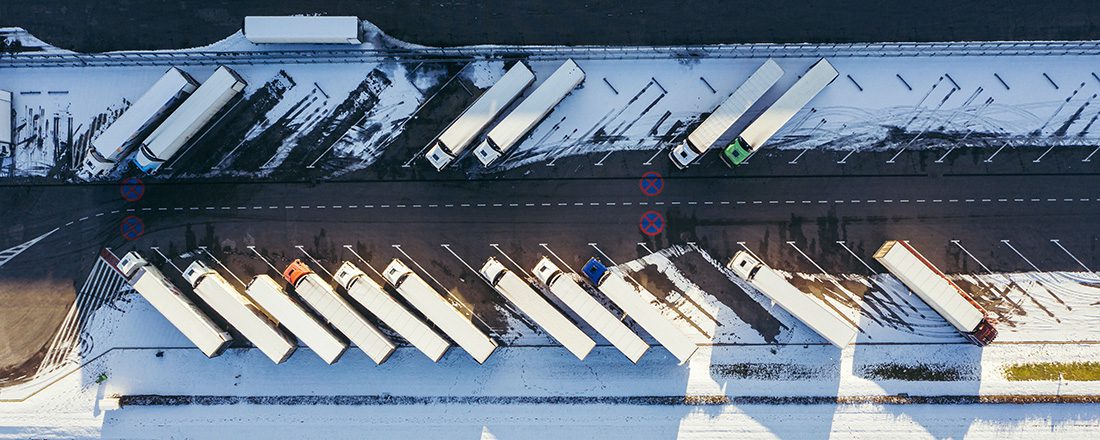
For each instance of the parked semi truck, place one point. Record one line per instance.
(932, 286)
(151, 284)
(827, 322)
(721, 119)
(629, 298)
(151, 108)
(780, 112)
(302, 29)
(566, 289)
(186, 121)
(531, 303)
(439, 311)
(511, 130)
(300, 322)
(388, 310)
(462, 131)
(338, 312)
(7, 121)
(241, 313)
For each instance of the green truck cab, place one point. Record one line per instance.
(736, 152)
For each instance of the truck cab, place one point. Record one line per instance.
(396, 272)
(493, 271)
(736, 152)
(130, 263)
(594, 270)
(683, 155)
(546, 271)
(295, 271)
(984, 334)
(439, 157)
(195, 272)
(744, 265)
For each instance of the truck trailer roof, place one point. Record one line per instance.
(239, 310)
(931, 285)
(462, 131)
(7, 113)
(794, 99)
(303, 29)
(151, 284)
(563, 286)
(388, 310)
(534, 305)
(439, 311)
(300, 322)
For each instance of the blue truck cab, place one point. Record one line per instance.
(594, 270)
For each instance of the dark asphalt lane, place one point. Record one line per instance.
(130, 24)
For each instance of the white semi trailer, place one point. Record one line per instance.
(186, 121)
(7, 121)
(439, 311)
(116, 141)
(721, 119)
(534, 305)
(300, 29)
(148, 281)
(338, 312)
(388, 310)
(462, 131)
(584, 305)
(241, 313)
(832, 326)
(932, 286)
(629, 298)
(780, 112)
(300, 322)
(529, 113)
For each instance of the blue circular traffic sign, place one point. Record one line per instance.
(651, 184)
(132, 227)
(652, 223)
(132, 189)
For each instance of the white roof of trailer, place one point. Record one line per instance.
(388, 310)
(536, 106)
(151, 284)
(240, 312)
(302, 29)
(195, 112)
(338, 312)
(439, 311)
(270, 295)
(931, 285)
(487, 107)
(783, 109)
(534, 305)
(6, 113)
(591, 311)
(628, 297)
(163, 94)
(739, 102)
(812, 312)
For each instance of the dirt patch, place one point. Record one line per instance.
(917, 372)
(1077, 371)
(767, 371)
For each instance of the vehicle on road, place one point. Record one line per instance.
(240, 312)
(821, 317)
(531, 303)
(439, 311)
(186, 121)
(338, 312)
(721, 119)
(151, 108)
(566, 289)
(151, 284)
(462, 131)
(520, 121)
(635, 303)
(301, 29)
(779, 113)
(388, 310)
(300, 322)
(932, 286)
(7, 121)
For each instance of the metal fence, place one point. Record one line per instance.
(202, 57)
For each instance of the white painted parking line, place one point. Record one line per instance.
(216, 260)
(1074, 257)
(314, 260)
(272, 266)
(1010, 246)
(1041, 156)
(563, 263)
(846, 156)
(165, 257)
(845, 246)
(1089, 157)
(972, 257)
(832, 278)
(990, 160)
(795, 160)
(448, 296)
(497, 247)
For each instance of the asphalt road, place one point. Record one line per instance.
(99, 25)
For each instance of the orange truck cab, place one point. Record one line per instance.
(295, 271)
